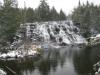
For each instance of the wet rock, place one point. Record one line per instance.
(60, 39)
(63, 44)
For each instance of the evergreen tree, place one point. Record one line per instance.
(43, 11)
(88, 17)
(62, 15)
(54, 15)
(9, 21)
(30, 15)
(10, 3)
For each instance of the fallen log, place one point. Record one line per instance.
(13, 72)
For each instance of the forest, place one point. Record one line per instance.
(87, 16)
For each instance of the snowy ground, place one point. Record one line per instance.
(21, 52)
(95, 40)
(2, 72)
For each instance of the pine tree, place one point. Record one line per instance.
(43, 11)
(88, 17)
(79, 3)
(9, 21)
(10, 3)
(30, 15)
(54, 15)
(62, 15)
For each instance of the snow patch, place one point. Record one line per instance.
(98, 35)
(2, 72)
(21, 52)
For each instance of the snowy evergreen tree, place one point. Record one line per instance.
(43, 11)
(54, 14)
(62, 15)
(88, 17)
(10, 3)
(30, 15)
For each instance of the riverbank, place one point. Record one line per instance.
(21, 52)
(92, 41)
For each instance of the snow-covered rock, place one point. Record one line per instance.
(96, 68)
(2, 72)
(21, 52)
(98, 36)
(61, 32)
(94, 40)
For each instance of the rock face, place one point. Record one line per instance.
(61, 32)
(94, 40)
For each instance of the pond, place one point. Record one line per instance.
(70, 60)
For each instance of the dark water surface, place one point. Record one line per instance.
(64, 61)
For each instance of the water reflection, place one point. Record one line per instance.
(85, 59)
(65, 61)
(82, 62)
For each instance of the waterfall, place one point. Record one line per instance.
(60, 32)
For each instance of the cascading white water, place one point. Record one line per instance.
(61, 32)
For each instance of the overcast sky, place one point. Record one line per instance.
(66, 5)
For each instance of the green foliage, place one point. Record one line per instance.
(9, 22)
(30, 15)
(62, 15)
(54, 14)
(43, 11)
(88, 17)
(10, 3)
